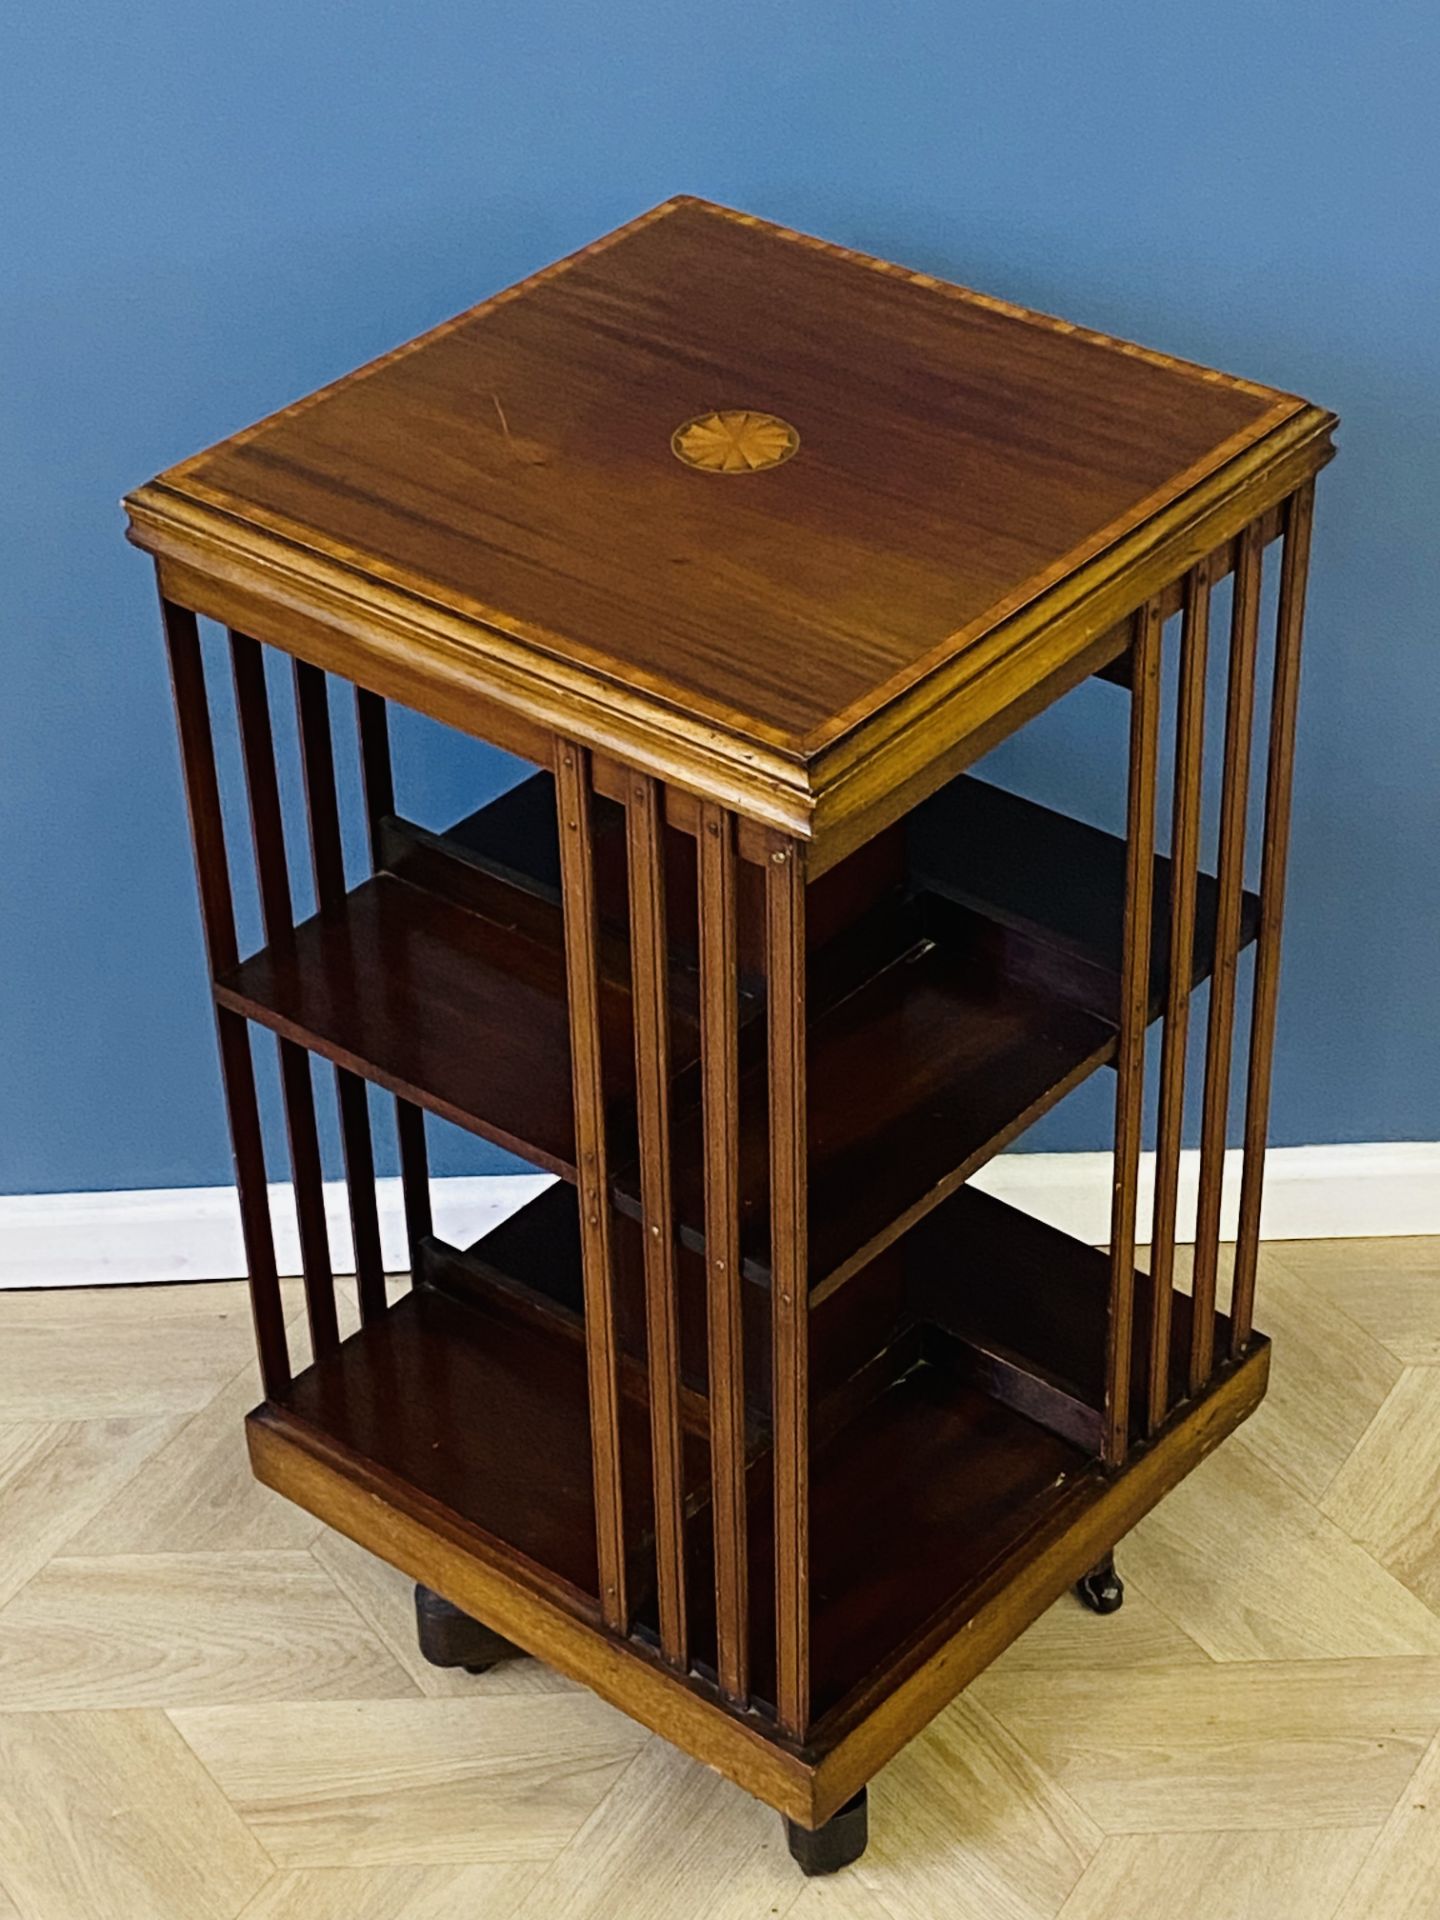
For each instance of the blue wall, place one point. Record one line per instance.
(210, 210)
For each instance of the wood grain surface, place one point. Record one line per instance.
(956, 455)
(490, 521)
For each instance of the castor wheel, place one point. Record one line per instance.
(1102, 1589)
(839, 1843)
(450, 1638)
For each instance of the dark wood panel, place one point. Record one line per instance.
(462, 1014)
(537, 1252)
(1058, 880)
(1027, 1306)
(933, 1063)
(435, 1393)
(911, 1502)
(514, 836)
(940, 1027)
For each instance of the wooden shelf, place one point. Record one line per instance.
(943, 1055)
(954, 1411)
(943, 1022)
(535, 1257)
(476, 1407)
(1026, 1305)
(951, 1420)
(1059, 882)
(915, 1494)
(929, 1475)
(986, 1428)
(913, 1501)
(1023, 1306)
(460, 1008)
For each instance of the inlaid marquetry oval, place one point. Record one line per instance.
(736, 440)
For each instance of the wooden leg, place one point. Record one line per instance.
(839, 1843)
(1102, 1589)
(450, 1638)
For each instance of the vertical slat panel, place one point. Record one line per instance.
(1229, 888)
(272, 872)
(1284, 700)
(1134, 1005)
(720, 1094)
(1184, 863)
(577, 876)
(212, 873)
(379, 787)
(789, 1280)
(650, 987)
(327, 858)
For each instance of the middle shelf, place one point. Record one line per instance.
(949, 1004)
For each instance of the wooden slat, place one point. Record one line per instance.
(720, 1084)
(602, 1353)
(1184, 861)
(1230, 882)
(272, 874)
(377, 778)
(217, 913)
(789, 1266)
(414, 1176)
(650, 987)
(1284, 700)
(378, 783)
(1130, 1049)
(327, 859)
(317, 765)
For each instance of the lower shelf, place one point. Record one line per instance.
(913, 1502)
(952, 1422)
(477, 1409)
(1027, 1306)
(852, 1741)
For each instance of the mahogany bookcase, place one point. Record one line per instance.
(760, 1420)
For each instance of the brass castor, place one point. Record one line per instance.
(839, 1843)
(1102, 1589)
(450, 1638)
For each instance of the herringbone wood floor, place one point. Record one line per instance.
(211, 1707)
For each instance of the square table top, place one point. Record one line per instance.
(767, 489)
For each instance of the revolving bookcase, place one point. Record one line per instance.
(761, 1420)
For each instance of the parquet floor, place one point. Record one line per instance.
(211, 1707)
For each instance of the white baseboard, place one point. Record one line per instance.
(193, 1233)
(1370, 1190)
